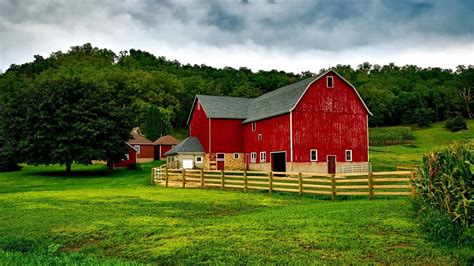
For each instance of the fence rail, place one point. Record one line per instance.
(395, 183)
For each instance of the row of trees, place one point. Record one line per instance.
(138, 80)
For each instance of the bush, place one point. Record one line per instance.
(390, 135)
(134, 166)
(423, 117)
(456, 124)
(19, 244)
(445, 206)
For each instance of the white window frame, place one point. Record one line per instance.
(345, 155)
(137, 148)
(198, 159)
(220, 159)
(327, 82)
(253, 157)
(311, 155)
(259, 137)
(236, 155)
(263, 157)
(254, 126)
(127, 156)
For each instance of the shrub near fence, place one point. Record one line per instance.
(355, 184)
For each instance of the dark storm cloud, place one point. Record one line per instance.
(285, 25)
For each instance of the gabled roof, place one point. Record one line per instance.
(223, 106)
(189, 145)
(277, 102)
(138, 139)
(167, 140)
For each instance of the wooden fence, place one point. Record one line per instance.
(396, 183)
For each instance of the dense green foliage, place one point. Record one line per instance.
(390, 135)
(137, 79)
(157, 123)
(100, 216)
(446, 190)
(455, 124)
(64, 121)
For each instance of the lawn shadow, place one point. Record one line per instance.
(77, 173)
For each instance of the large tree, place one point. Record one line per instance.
(65, 120)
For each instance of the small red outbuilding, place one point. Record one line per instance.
(145, 148)
(164, 144)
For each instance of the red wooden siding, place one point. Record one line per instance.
(275, 136)
(164, 149)
(199, 126)
(146, 151)
(226, 135)
(131, 158)
(330, 120)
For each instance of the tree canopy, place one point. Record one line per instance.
(137, 80)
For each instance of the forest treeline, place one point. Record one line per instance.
(138, 81)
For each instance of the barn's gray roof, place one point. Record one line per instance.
(224, 106)
(277, 102)
(190, 144)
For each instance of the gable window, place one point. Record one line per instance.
(254, 126)
(137, 148)
(253, 157)
(330, 82)
(263, 157)
(348, 155)
(236, 155)
(313, 155)
(260, 137)
(199, 105)
(198, 159)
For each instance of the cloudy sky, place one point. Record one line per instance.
(291, 35)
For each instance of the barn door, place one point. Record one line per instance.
(220, 161)
(331, 164)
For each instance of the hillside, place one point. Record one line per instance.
(426, 139)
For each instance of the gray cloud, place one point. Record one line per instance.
(287, 26)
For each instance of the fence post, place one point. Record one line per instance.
(202, 178)
(166, 176)
(245, 180)
(333, 187)
(371, 186)
(300, 184)
(222, 179)
(184, 177)
(270, 182)
(413, 185)
(152, 180)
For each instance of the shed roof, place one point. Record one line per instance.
(167, 140)
(190, 144)
(138, 139)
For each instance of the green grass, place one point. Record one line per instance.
(102, 218)
(97, 217)
(428, 139)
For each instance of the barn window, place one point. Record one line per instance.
(254, 126)
(253, 157)
(198, 159)
(127, 157)
(263, 157)
(236, 155)
(313, 155)
(137, 148)
(348, 155)
(330, 82)
(220, 156)
(199, 106)
(260, 137)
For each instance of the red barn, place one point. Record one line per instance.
(130, 158)
(145, 148)
(319, 124)
(164, 144)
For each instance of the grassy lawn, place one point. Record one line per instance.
(435, 137)
(97, 217)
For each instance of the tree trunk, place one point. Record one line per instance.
(68, 168)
